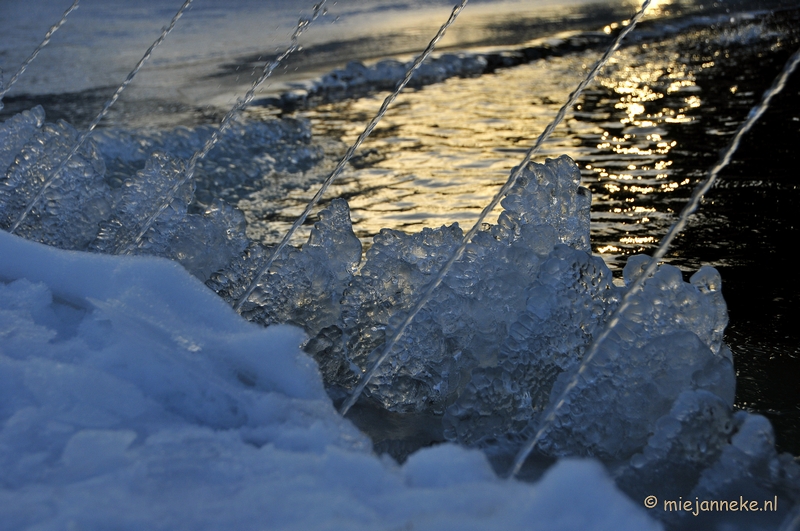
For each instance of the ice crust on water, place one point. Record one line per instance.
(499, 339)
(110, 187)
(506, 329)
(356, 77)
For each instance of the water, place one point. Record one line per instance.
(643, 136)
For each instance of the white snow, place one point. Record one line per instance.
(132, 397)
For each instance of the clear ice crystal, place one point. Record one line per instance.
(68, 214)
(15, 133)
(137, 198)
(704, 449)
(246, 152)
(664, 344)
(176, 234)
(348, 315)
(749, 464)
(86, 209)
(550, 195)
(571, 295)
(305, 286)
(463, 325)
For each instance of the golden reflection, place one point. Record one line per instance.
(692, 101)
(444, 150)
(639, 240)
(608, 249)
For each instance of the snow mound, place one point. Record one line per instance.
(132, 397)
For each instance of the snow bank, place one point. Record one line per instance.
(132, 397)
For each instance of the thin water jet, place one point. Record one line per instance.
(85, 136)
(626, 301)
(389, 345)
(349, 154)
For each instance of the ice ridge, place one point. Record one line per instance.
(110, 186)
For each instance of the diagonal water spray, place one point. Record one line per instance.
(348, 155)
(269, 68)
(82, 139)
(4, 89)
(663, 247)
(392, 341)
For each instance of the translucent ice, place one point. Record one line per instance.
(468, 319)
(68, 214)
(665, 344)
(303, 286)
(15, 133)
(87, 208)
(247, 153)
(704, 449)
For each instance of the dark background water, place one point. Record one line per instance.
(747, 226)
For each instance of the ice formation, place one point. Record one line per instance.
(110, 187)
(504, 331)
(125, 379)
(357, 78)
(477, 367)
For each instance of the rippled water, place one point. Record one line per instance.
(644, 135)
